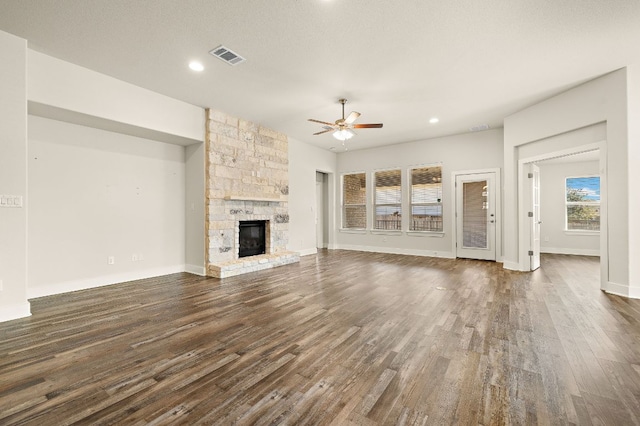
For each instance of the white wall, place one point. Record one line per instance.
(471, 151)
(554, 237)
(601, 100)
(195, 209)
(95, 194)
(633, 164)
(304, 161)
(139, 180)
(13, 177)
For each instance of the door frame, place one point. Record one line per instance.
(323, 215)
(331, 220)
(532, 193)
(498, 201)
(524, 237)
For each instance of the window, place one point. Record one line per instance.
(354, 208)
(582, 200)
(426, 199)
(388, 199)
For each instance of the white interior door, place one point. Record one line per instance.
(476, 216)
(534, 215)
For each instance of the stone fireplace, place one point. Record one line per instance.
(247, 181)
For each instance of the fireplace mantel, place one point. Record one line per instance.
(274, 199)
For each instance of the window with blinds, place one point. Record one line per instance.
(426, 199)
(388, 199)
(354, 199)
(582, 203)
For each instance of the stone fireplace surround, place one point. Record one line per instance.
(247, 179)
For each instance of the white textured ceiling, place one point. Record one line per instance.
(398, 62)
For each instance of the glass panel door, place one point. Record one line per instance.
(475, 209)
(476, 216)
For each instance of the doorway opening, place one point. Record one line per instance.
(562, 203)
(322, 210)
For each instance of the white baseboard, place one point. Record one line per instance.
(574, 251)
(196, 270)
(308, 252)
(68, 286)
(513, 266)
(18, 310)
(632, 292)
(389, 250)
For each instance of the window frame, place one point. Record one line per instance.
(567, 204)
(410, 170)
(375, 201)
(344, 205)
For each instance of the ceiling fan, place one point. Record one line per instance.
(343, 127)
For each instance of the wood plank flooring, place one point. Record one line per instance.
(341, 338)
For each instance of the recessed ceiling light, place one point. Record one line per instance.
(434, 120)
(196, 66)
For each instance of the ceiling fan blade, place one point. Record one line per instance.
(367, 126)
(321, 122)
(352, 117)
(324, 131)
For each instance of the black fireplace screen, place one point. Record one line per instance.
(252, 238)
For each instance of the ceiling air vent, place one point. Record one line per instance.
(227, 55)
(479, 127)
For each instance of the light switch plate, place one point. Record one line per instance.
(14, 201)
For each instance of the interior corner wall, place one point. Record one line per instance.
(457, 153)
(554, 237)
(633, 99)
(96, 194)
(195, 209)
(13, 177)
(603, 99)
(304, 161)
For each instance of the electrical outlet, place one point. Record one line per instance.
(111, 260)
(134, 257)
(546, 239)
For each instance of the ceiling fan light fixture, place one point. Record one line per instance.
(341, 129)
(343, 134)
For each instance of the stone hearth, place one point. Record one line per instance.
(247, 180)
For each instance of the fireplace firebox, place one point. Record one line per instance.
(251, 240)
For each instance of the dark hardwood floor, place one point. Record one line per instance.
(340, 338)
